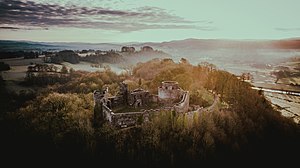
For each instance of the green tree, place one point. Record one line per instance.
(71, 70)
(140, 82)
(64, 69)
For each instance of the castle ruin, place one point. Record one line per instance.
(130, 108)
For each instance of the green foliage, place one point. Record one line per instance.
(60, 115)
(45, 78)
(71, 70)
(201, 97)
(4, 66)
(247, 128)
(222, 134)
(155, 71)
(84, 82)
(140, 82)
(132, 84)
(64, 70)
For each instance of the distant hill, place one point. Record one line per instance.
(191, 44)
(216, 51)
(287, 44)
(8, 45)
(11, 46)
(207, 44)
(87, 46)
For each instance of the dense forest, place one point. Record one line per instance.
(54, 122)
(17, 54)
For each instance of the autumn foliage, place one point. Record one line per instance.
(244, 127)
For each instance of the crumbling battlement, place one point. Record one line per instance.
(183, 105)
(169, 90)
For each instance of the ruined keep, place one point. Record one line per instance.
(170, 96)
(169, 90)
(139, 98)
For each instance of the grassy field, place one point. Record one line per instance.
(277, 86)
(288, 105)
(86, 66)
(19, 67)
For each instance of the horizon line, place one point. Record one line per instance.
(225, 39)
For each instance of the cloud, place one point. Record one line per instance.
(43, 15)
(22, 28)
(287, 29)
(9, 28)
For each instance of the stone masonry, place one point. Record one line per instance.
(170, 97)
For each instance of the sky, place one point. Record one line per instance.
(98, 21)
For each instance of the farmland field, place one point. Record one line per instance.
(288, 105)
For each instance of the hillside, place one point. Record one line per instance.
(202, 44)
(55, 121)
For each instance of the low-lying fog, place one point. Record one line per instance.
(236, 61)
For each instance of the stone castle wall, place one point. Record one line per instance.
(183, 105)
(168, 91)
